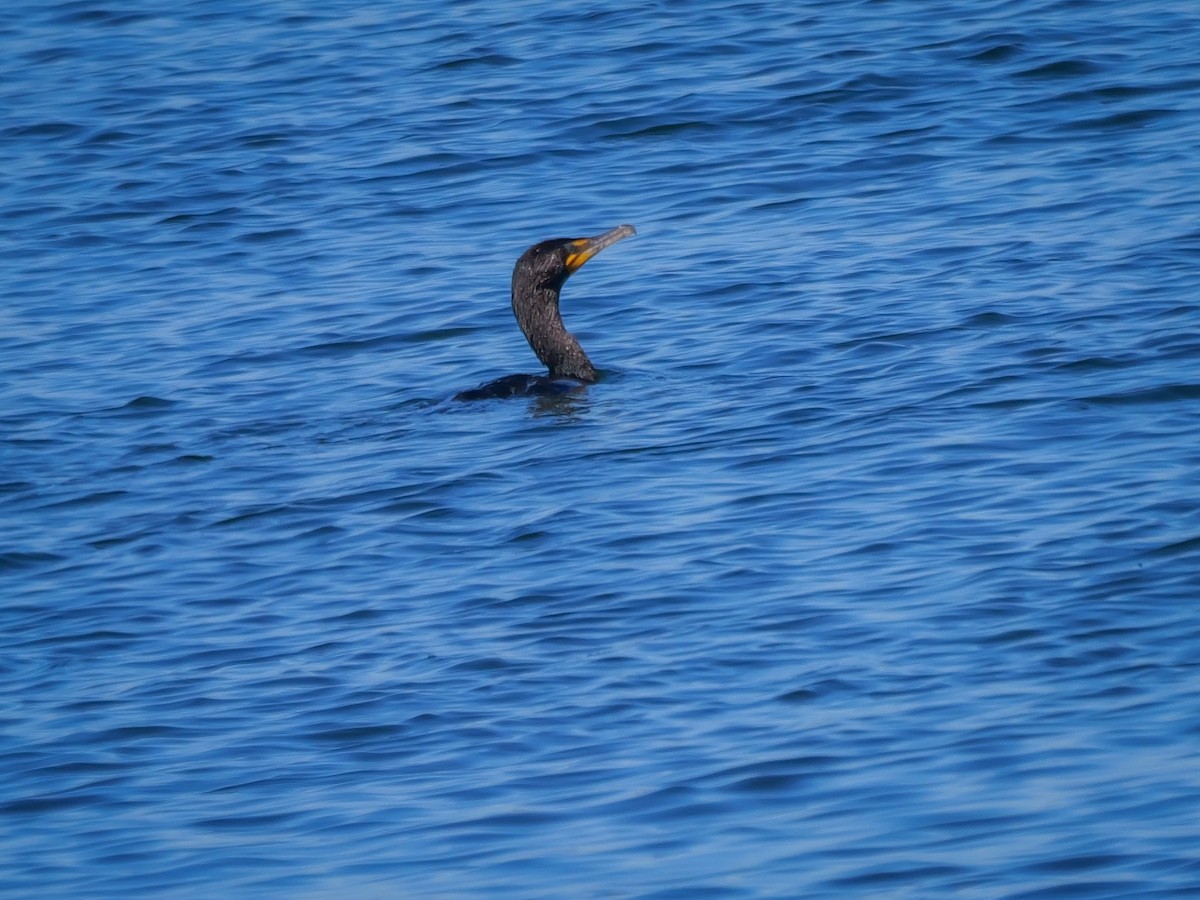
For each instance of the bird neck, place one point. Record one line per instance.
(536, 309)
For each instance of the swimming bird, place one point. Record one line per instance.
(537, 280)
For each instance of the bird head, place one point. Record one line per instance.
(550, 263)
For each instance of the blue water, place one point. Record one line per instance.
(870, 568)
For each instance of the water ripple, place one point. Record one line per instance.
(865, 567)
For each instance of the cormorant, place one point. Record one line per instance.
(537, 279)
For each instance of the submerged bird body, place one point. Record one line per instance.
(537, 280)
(522, 386)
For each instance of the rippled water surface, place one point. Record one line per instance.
(870, 568)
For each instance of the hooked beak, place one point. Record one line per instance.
(584, 249)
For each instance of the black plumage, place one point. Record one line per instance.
(538, 278)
